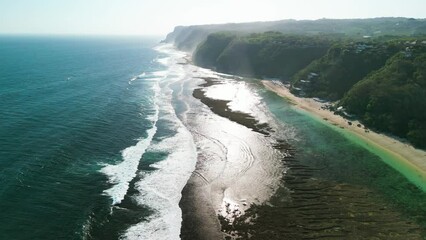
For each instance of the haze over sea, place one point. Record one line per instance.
(99, 135)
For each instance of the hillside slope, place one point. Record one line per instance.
(269, 54)
(380, 79)
(188, 37)
(393, 99)
(344, 65)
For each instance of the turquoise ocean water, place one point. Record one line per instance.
(91, 144)
(69, 106)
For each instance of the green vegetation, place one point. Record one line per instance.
(187, 38)
(374, 68)
(345, 64)
(269, 54)
(393, 99)
(381, 81)
(208, 53)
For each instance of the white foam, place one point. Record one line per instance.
(164, 61)
(122, 173)
(160, 190)
(160, 73)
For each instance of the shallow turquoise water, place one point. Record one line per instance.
(343, 158)
(67, 107)
(70, 105)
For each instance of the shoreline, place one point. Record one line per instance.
(215, 198)
(342, 207)
(322, 206)
(221, 108)
(409, 161)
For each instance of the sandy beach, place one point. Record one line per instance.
(255, 177)
(237, 166)
(401, 153)
(306, 206)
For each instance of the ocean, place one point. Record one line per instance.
(102, 138)
(78, 113)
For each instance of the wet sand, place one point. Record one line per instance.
(304, 207)
(402, 154)
(221, 108)
(235, 160)
(308, 207)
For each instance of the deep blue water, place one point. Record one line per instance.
(74, 108)
(67, 107)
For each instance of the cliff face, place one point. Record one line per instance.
(269, 54)
(187, 38)
(170, 38)
(379, 78)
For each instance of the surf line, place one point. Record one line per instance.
(120, 175)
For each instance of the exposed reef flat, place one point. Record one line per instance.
(305, 206)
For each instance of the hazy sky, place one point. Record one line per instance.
(157, 17)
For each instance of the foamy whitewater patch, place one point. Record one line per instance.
(160, 190)
(140, 76)
(122, 173)
(173, 56)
